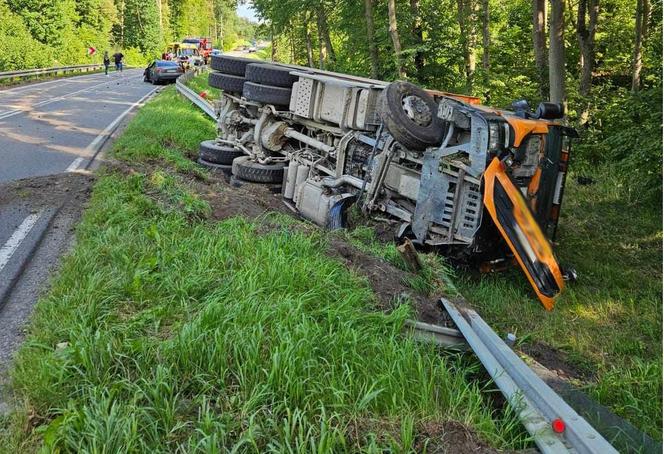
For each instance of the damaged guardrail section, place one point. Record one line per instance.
(554, 425)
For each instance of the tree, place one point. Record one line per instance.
(324, 36)
(585, 32)
(557, 52)
(307, 37)
(466, 17)
(418, 36)
(48, 20)
(486, 37)
(539, 45)
(371, 40)
(640, 32)
(394, 34)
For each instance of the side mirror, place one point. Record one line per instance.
(550, 110)
(521, 108)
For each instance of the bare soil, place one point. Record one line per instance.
(49, 190)
(555, 360)
(435, 437)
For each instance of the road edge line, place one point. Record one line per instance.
(13, 279)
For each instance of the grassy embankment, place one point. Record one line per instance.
(166, 331)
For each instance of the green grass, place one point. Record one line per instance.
(165, 331)
(199, 84)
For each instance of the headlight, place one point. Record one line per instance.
(494, 135)
(498, 135)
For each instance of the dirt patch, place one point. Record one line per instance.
(555, 360)
(249, 200)
(430, 437)
(386, 280)
(48, 190)
(448, 437)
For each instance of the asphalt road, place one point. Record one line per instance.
(50, 127)
(50, 133)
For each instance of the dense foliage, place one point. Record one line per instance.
(38, 33)
(486, 47)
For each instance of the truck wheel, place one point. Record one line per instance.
(274, 75)
(230, 65)
(211, 165)
(410, 114)
(257, 173)
(226, 82)
(218, 154)
(267, 94)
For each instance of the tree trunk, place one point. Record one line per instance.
(394, 34)
(321, 52)
(373, 50)
(486, 37)
(539, 45)
(466, 17)
(324, 33)
(122, 24)
(418, 36)
(273, 41)
(640, 32)
(307, 37)
(557, 52)
(585, 33)
(161, 21)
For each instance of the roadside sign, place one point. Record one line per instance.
(91, 50)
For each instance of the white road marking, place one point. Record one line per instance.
(93, 147)
(21, 88)
(74, 165)
(11, 113)
(17, 238)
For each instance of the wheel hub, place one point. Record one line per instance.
(417, 110)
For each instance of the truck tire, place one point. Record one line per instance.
(217, 154)
(226, 168)
(268, 94)
(252, 171)
(274, 75)
(226, 82)
(410, 114)
(230, 65)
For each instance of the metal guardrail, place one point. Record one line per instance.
(445, 337)
(191, 95)
(536, 404)
(54, 70)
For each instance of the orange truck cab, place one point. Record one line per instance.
(516, 162)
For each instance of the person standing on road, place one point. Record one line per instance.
(107, 62)
(118, 56)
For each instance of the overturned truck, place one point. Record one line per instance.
(482, 185)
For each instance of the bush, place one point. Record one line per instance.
(626, 132)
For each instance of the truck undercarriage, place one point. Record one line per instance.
(480, 184)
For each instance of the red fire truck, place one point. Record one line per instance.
(204, 46)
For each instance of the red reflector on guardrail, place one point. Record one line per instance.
(558, 426)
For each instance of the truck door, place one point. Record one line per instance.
(516, 223)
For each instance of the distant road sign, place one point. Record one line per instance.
(91, 50)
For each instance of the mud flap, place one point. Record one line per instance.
(509, 211)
